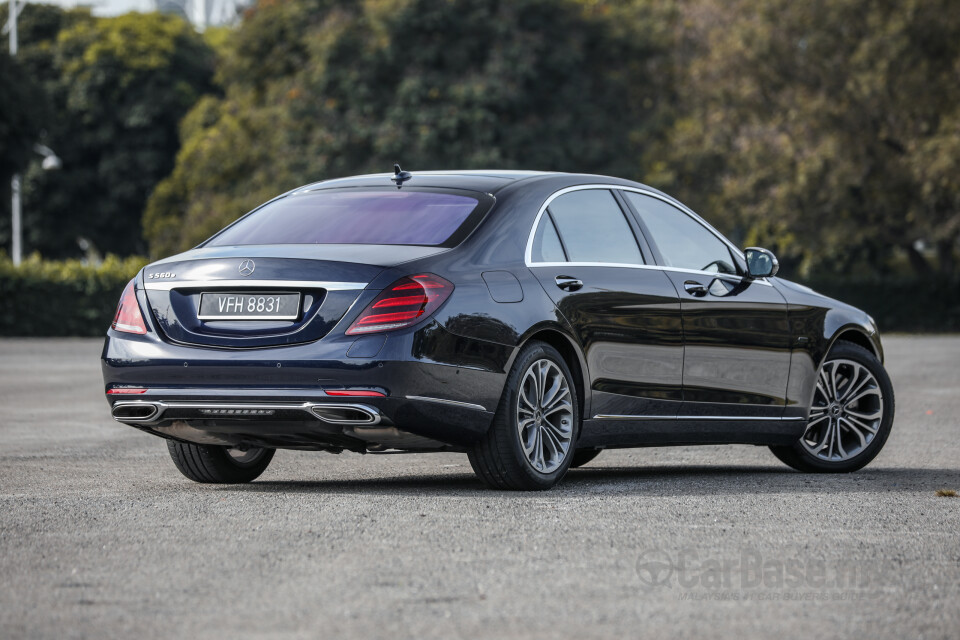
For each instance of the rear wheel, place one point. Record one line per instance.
(222, 465)
(851, 415)
(532, 440)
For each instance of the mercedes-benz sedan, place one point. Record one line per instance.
(528, 319)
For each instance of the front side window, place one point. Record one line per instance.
(590, 227)
(684, 243)
(354, 216)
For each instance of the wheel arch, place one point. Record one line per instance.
(855, 334)
(570, 350)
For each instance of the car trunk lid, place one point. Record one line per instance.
(324, 280)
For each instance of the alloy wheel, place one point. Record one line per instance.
(545, 416)
(846, 413)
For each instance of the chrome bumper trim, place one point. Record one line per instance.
(224, 409)
(454, 403)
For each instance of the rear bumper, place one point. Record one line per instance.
(278, 396)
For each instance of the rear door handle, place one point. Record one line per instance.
(694, 288)
(568, 283)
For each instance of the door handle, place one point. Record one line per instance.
(694, 288)
(569, 284)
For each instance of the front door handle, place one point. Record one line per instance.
(695, 289)
(568, 283)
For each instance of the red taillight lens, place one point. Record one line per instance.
(128, 318)
(404, 303)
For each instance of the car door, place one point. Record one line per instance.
(589, 256)
(736, 335)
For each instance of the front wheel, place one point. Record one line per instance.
(851, 415)
(222, 465)
(532, 440)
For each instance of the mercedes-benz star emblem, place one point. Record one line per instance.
(247, 267)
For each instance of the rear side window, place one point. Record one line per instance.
(356, 216)
(592, 228)
(684, 243)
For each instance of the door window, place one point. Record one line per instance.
(590, 227)
(684, 243)
(546, 242)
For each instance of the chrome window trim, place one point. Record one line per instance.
(168, 285)
(655, 267)
(528, 255)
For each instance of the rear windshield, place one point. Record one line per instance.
(354, 217)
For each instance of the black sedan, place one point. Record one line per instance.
(528, 319)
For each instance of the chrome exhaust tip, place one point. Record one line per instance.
(346, 413)
(135, 411)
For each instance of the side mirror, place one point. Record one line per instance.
(761, 263)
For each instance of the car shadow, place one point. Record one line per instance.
(679, 480)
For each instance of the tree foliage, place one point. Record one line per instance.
(827, 128)
(19, 119)
(321, 88)
(114, 92)
(24, 103)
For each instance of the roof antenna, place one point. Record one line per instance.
(400, 176)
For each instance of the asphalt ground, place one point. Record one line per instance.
(101, 537)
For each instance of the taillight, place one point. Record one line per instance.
(128, 318)
(355, 393)
(404, 303)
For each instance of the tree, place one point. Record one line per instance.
(19, 119)
(117, 89)
(25, 105)
(827, 128)
(319, 89)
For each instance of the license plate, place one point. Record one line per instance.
(249, 306)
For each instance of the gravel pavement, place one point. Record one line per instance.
(101, 537)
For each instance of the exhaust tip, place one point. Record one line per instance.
(135, 411)
(346, 413)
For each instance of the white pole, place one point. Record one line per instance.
(15, 230)
(13, 10)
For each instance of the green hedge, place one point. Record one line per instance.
(62, 298)
(70, 298)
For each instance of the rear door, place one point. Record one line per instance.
(737, 340)
(590, 258)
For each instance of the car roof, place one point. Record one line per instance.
(483, 180)
(488, 181)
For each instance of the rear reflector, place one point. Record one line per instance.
(404, 303)
(128, 317)
(356, 393)
(124, 390)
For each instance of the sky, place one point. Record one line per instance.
(106, 7)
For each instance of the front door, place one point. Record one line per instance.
(736, 335)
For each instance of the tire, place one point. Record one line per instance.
(499, 458)
(213, 464)
(583, 456)
(842, 362)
